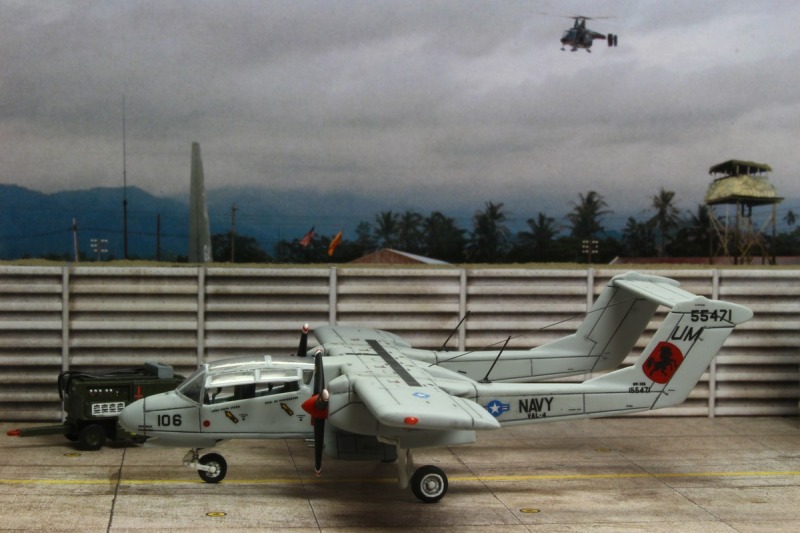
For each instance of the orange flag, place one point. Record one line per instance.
(334, 243)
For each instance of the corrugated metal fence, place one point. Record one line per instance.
(85, 317)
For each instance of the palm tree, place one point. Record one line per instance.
(386, 229)
(409, 232)
(538, 240)
(490, 237)
(585, 216)
(697, 233)
(790, 218)
(637, 238)
(364, 239)
(667, 216)
(444, 240)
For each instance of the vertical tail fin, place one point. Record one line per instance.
(682, 347)
(617, 319)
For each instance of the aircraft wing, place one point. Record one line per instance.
(396, 391)
(350, 337)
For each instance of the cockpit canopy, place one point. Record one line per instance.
(243, 378)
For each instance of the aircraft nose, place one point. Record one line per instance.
(132, 417)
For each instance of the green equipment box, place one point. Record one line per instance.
(92, 401)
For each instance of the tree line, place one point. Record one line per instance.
(664, 232)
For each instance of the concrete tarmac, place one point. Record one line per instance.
(602, 475)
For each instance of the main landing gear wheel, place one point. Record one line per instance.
(429, 484)
(219, 468)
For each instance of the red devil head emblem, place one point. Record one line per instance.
(663, 362)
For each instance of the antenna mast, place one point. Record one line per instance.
(124, 187)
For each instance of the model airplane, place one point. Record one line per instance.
(374, 397)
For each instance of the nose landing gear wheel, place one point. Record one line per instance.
(429, 484)
(219, 465)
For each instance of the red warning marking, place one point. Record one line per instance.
(663, 362)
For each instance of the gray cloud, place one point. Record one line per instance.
(440, 103)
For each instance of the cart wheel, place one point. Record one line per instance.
(429, 483)
(91, 437)
(218, 462)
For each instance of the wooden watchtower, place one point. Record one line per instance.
(740, 187)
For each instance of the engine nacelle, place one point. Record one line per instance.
(352, 447)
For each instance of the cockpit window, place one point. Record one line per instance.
(192, 388)
(235, 393)
(230, 393)
(268, 389)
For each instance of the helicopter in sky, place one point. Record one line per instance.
(579, 36)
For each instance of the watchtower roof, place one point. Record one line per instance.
(737, 167)
(743, 182)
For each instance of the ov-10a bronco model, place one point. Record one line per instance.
(371, 396)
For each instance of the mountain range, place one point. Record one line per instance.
(37, 224)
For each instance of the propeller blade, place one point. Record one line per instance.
(303, 348)
(317, 407)
(317, 404)
(319, 378)
(319, 444)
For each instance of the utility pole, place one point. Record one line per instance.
(124, 188)
(233, 232)
(75, 238)
(158, 237)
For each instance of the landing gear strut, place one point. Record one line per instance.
(211, 467)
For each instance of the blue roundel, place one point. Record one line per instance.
(497, 408)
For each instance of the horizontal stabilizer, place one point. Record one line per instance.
(663, 291)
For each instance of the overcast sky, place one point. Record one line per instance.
(434, 103)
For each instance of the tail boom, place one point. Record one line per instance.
(663, 376)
